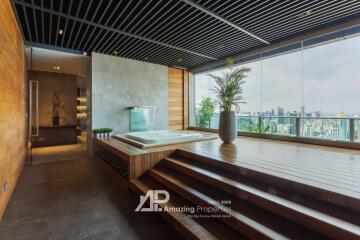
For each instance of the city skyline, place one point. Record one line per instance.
(280, 111)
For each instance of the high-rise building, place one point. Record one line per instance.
(302, 111)
(280, 113)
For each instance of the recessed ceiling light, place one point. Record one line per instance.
(146, 58)
(56, 67)
(115, 52)
(61, 32)
(179, 60)
(85, 53)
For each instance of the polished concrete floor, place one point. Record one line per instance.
(75, 200)
(60, 153)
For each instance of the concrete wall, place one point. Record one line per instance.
(66, 85)
(118, 83)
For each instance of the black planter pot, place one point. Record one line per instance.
(227, 127)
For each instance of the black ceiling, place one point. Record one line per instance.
(174, 32)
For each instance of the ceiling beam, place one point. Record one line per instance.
(83, 21)
(217, 16)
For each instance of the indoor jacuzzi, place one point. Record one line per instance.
(158, 138)
(162, 136)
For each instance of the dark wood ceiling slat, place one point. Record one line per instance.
(58, 23)
(155, 18)
(87, 28)
(106, 23)
(296, 20)
(268, 9)
(173, 32)
(283, 15)
(35, 22)
(251, 7)
(27, 23)
(82, 21)
(115, 39)
(141, 13)
(73, 26)
(115, 9)
(88, 4)
(51, 17)
(114, 25)
(193, 30)
(224, 20)
(66, 23)
(135, 8)
(203, 27)
(314, 23)
(167, 22)
(117, 45)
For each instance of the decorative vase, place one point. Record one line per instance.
(227, 126)
(55, 120)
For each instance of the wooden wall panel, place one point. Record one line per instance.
(13, 126)
(178, 99)
(186, 99)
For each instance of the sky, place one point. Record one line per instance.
(331, 80)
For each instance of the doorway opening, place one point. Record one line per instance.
(58, 105)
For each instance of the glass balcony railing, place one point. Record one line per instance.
(278, 125)
(247, 124)
(357, 130)
(326, 128)
(334, 129)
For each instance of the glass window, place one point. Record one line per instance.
(204, 86)
(320, 84)
(252, 90)
(332, 79)
(281, 85)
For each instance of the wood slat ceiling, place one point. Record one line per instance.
(174, 32)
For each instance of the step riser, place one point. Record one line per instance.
(175, 222)
(309, 191)
(293, 215)
(230, 221)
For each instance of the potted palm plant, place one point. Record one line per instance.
(229, 94)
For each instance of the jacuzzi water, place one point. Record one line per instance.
(162, 136)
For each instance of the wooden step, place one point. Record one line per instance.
(200, 229)
(293, 195)
(182, 223)
(262, 216)
(236, 220)
(314, 189)
(319, 222)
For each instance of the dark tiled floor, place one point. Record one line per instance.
(74, 200)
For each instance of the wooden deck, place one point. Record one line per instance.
(332, 169)
(277, 189)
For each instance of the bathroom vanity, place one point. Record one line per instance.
(55, 135)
